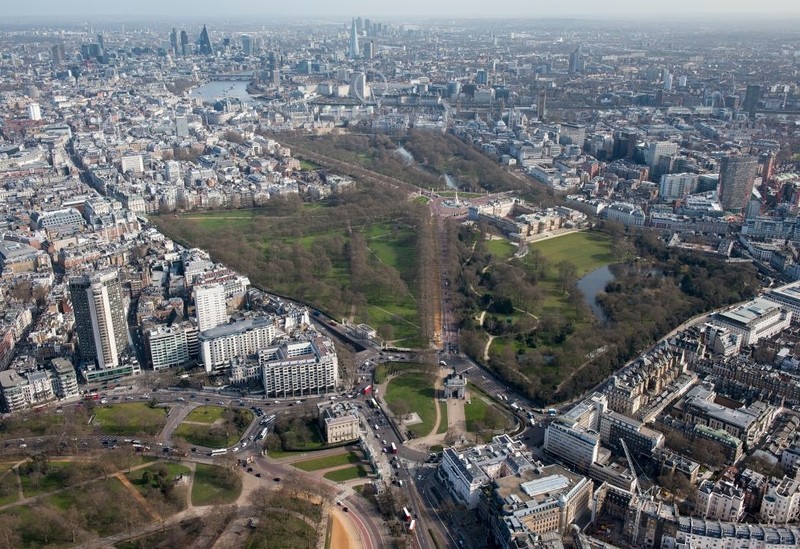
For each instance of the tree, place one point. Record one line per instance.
(567, 274)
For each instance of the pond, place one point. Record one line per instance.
(592, 284)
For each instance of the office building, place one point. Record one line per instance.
(677, 185)
(541, 105)
(751, 98)
(300, 368)
(641, 440)
(354, 51)
(736, 177)
(210, 306)
(247, 44)
(466, 473)
(575, 445)
(539, 501)
(181, 126)
(184, 43)
(658, 149)
(577, 63)
(173, 41)
(755, 320)
(100, 318)
(220, 345)
(204, 43)
(58, 54)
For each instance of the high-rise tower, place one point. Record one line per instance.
(173, 41)
(204, 43)
(355, 51)
(736, 176)
(100, 317)
(210, 307)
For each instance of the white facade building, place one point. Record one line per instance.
(210, 306)
(220, 345)
(722, 501)
(300, 368)
(782, 502)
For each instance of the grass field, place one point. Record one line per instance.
(349, 473)
(205, 414)
(328, 462)
(215, 486)
(443, 422)
(586, 250)
(130, 418)
(475, 411)
(281, 531)
(8, 485)
(415, 391)
(500, 248)
(62, 474)
(202, 428)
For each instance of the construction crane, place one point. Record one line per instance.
(630, 466)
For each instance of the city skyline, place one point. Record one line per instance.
(42, 9)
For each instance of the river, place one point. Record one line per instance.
(592, 284)
(222, 89)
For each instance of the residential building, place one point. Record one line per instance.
(23, 388)
(748, 424)
(100, 318)
(781, 504)
(210, 306)
(720, 501)
(713, 534)
(169, 346)
(736, 177)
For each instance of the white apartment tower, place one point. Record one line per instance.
(210, 307)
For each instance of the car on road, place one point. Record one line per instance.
(258, 475)
(277, 479)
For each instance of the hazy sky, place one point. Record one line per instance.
(409, 8)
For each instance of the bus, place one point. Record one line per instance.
(367, 390)
(268, 419)
(263, 433)
(406, 514)
(394, 448)
(412, 525)
(373, 403)
(220, 452)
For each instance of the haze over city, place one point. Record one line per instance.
(416, 9)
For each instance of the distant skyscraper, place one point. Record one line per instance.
(184, 43)
(99, 317)
(541, 105)
(736, 176)
(751, 98)
(58, 54)
(576, 61)
(204, 43)
(102, 42)
(247, 44)
(210, 308)
(34, 111)
(359, 87)
(667, 80)
(657, 149)
(482, 77)
(355, 51)
(173, 41)
(274, 69)
(369, 49)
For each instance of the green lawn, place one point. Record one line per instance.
(475, 411)
(349, 473)
(130, 418)
(205, 414)
(414, 391)
(8, 485)
(328, 461)
(61, 474)
(586, 250)
(443, 422)
(111, 507)
(215, 486)
(500, 248)
(206, 426)
(281, 531)
(173, 470)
